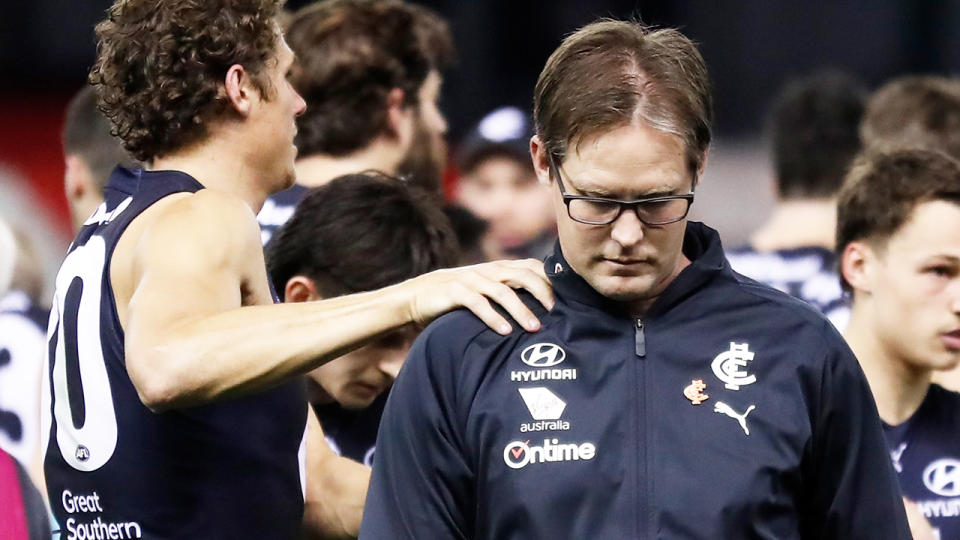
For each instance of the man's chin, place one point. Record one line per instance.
(623, 289)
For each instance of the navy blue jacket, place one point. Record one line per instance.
(729, 411)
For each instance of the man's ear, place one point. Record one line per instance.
(77, 179)
(300, 289)
(857, 265)
(240, 89)
(399, 117)
(541, 161)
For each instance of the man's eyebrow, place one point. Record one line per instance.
(603, 193)
(943, 258)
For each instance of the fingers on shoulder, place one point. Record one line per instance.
(523, 274)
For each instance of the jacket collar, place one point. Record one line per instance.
(702, 247)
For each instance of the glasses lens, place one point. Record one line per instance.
(598, 212)
(663, 212)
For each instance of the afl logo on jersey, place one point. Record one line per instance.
(83, 453)
(943, 477)
(542, 355)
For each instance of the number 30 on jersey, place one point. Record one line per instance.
(86, 423)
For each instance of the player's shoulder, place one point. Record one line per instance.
(206, 219)
(208, 205)
(459, 338)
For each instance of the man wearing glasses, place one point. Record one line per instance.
(665, 396)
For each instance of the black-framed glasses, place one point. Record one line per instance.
(600, 211)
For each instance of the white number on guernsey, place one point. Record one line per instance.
(87, 434)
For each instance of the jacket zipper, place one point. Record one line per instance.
(643, 479)
(641, 340)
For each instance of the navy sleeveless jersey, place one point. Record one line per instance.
(925, 451)
(277, 209)
(807, 273)
(114, 469)
(352, 433)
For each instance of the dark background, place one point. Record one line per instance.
(751, 47)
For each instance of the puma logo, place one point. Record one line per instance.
(723, 408)
(895, 456)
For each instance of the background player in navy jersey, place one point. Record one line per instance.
(813, 128)
(898, 236)
(916, 111)
(358, 233)
(369, 71)
(177, 410)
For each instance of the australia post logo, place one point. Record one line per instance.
(543, 356)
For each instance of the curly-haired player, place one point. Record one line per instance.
(178, 410)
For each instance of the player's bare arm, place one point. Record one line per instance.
(185, 268)
(336, 489)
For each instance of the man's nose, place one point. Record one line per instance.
(627, 230)
(391, 362)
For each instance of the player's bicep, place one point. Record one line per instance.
(184, 268)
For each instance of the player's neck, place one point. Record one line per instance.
(798, 223)
(316, 394)
(319, 169)
(217, 166)
(898, 387)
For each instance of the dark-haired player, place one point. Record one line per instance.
(177, 407)
(359, 233)
(814, 130)
(369, 71)
(898, 236)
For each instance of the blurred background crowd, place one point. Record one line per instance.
(752, 48)
(776, 68)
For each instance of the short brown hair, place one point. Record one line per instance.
(611, 73)
(883, 188)
(814, 132)
(161, 66)
(86, 133)
(916, 112)
(350, 55)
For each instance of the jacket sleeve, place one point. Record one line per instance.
(422, 481)
(851, 487)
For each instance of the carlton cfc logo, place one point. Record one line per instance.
(542, 355)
